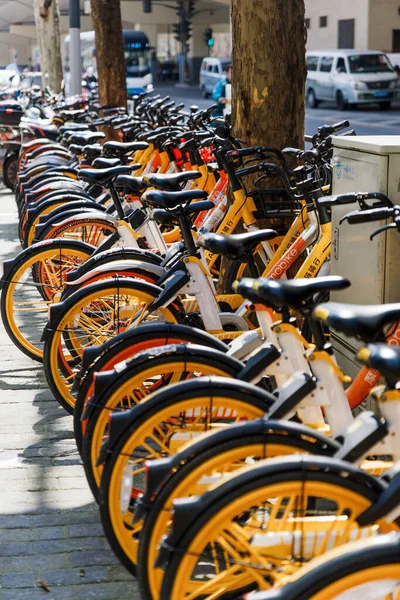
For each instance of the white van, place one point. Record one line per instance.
(211, 71)
(348, 78)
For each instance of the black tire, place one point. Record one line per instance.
(385, 105)
(206, 357)
(168, 486)
(141, 415)
(311, 99)
(224, 495)
(10, 170)
(204, 93)
(164, 333)
(105, 287)
(341, 104)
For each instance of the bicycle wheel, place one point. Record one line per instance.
(125, 346)
(29, 288)
(146, 373)
(90, 317)
(159, 427)
(256, 529)
(209, 464)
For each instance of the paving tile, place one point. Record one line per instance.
(50, 528)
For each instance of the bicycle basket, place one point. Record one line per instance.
(274, 203)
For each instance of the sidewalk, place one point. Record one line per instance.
(50, 529)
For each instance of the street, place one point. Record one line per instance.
(366, 120)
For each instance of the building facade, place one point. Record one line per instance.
(359, 24)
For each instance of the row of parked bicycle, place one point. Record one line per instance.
(213, 421)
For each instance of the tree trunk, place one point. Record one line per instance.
(107, 22)
(47, 21)
(269, 71)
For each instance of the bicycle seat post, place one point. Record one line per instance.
(116, 200)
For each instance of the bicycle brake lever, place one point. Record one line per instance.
(384, 228)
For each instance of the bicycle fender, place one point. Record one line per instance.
(119, 265)
(8, 265)
(160, 469)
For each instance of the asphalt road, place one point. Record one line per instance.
(365, 120)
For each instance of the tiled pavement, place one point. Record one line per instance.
(49, 525)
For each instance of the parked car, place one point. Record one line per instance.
(349, 77)
(211, 71)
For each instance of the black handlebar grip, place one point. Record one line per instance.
(249, 170)
(368, 216)
(296, 152)
(243, 151)
(340, 125)
(339, 199)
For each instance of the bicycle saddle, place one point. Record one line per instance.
(103, 176)
(75, 149)
(105, 163)
(71, 114)
(383, 358)
(72, 127)
(86, 137)
(363, 322)
(129, 184)
(167, 218)
(171, 200)
(236, 245)
(121, 148)
(294, 293)
(171, 182)
(91, 151)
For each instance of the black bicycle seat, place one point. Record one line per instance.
(86, 137)
(72, 127)
(294, 293)
(130, 185)
(105, 163)
(122, 148)
(75, 149)
(171, 200)
(363, 322)
(171, 182)
(91, 151)
(237, 245)
(71, 114)
(103, 176)
(167, 218)
(382, 358)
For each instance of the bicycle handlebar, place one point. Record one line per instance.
(359, 197)
(368, 216)
(327, 130)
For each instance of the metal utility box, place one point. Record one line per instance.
(364, 164)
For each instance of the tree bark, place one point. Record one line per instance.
(269, 71)
(107, 22)
(47, 21)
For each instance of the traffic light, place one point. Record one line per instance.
(186, 29)
(208, 36)
(191, 7)
(176, 29)
(147, 6)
